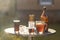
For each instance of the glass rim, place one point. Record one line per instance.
(40, 22)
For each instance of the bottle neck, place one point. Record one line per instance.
(43, 13)
(44, 10)
(31, 17)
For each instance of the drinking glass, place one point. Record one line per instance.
(16, 26)
(40, 27)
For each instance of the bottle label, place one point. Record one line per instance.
(31, 24)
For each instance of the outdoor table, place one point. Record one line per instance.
(24, 32)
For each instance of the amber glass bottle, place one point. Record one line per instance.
(44, 18)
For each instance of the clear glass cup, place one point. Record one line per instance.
(40, 27)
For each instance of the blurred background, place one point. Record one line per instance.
(20, 9)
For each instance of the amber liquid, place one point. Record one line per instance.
(16, 26)
(31, 30)
(40, 27)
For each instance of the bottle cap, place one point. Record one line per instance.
(44, 8)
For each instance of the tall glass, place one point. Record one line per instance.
(40, 27)
(16, 26)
